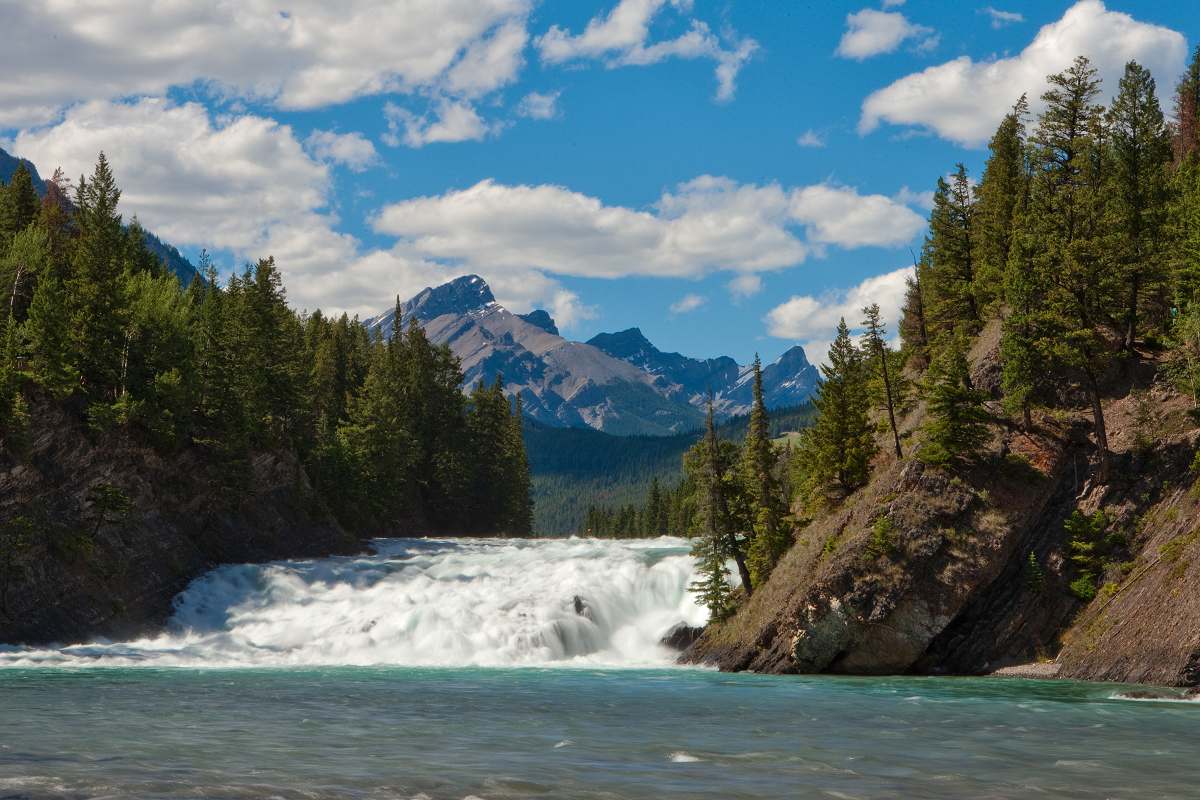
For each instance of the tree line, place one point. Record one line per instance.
(91, 319)
(1081, 240)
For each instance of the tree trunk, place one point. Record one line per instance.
(1101, 431)
(1131, 314)
(1026, 416)
(887, 388)
(740, 559)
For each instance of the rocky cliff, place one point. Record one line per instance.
(121, 528)
(929, 570)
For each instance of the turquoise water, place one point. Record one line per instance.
(443, 670)
(579, 733)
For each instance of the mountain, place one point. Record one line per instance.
(561, 382)
(789, 381)
(618, 383)
(175, 261)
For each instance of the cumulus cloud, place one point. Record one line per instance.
(744, 286)
(688, 303)
(352, 150)
(810, 138)
(963, 100)
(622, 38)
(247, 185)
(449, 121)
(313, 54)
(812, 320)
(871, 33)
(1001, 19)
(704, 225)
(538, 105)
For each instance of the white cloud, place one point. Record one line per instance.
(246, 185)
(892, 3)
(810, 138)
(1000, 18)
(840, 215)
(449, 121)
(688, 303)
(871, 33)
(813, 320)
(913, 198)
(622, 38)
(964, 100)
(567, 309)
(744, 286)
(313, 54)
(538, 105)
(704, 225)
(352, 150)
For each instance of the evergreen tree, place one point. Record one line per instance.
(1137, 192)
(18, 205)
(914, 326)
(27, 259)
(520, 499)
(876, 347)
(47, 332)
(1021, 348)
(841, 439)
(771, 536)
(1186, 138)
(1071, 255)
(957, 420)
(94, 291)
(712, 590)
(951, 281)
(718, 540)
(1000, 190)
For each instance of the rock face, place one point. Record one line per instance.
(681, 637)
(964, 571)
(788, 381)
(561, 382)
(115, 575)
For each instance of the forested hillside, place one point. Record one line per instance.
(587, 482)
(96, 325)
(1024, 456)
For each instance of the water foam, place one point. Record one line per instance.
(452, 602)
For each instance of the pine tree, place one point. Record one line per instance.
(520, 500)
(841, 436)
(1021, 349)
(712, 590)
(1071, 256)
(951, 281)
(1186, 138)
(876, 347)
(957, 420)
(1000, 190)
(47, 331)
(914, 324)
(771, 536)
(1137, 192)
(18, 206)
(27, 259)
(94, 291)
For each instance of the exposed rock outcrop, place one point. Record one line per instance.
(87, 572)
(969, 570)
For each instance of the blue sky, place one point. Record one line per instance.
(730, 177)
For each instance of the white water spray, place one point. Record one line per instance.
(450, 602)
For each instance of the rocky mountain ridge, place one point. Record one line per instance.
(617, 383)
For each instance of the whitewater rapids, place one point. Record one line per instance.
(420, 602)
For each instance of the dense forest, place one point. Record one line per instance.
(1080, 241)
(581, 475)
(93, 321)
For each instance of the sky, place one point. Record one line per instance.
(731, 177)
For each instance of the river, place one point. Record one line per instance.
(492, 669)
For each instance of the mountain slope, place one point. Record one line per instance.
(617, 383)
(788, 381)
(561, 382)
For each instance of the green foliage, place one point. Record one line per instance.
(382, 428)
(1088, 548)
(842, 442)
(957, 423)
(712, 589)
(883, 540)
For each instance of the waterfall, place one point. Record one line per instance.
(417, 602)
